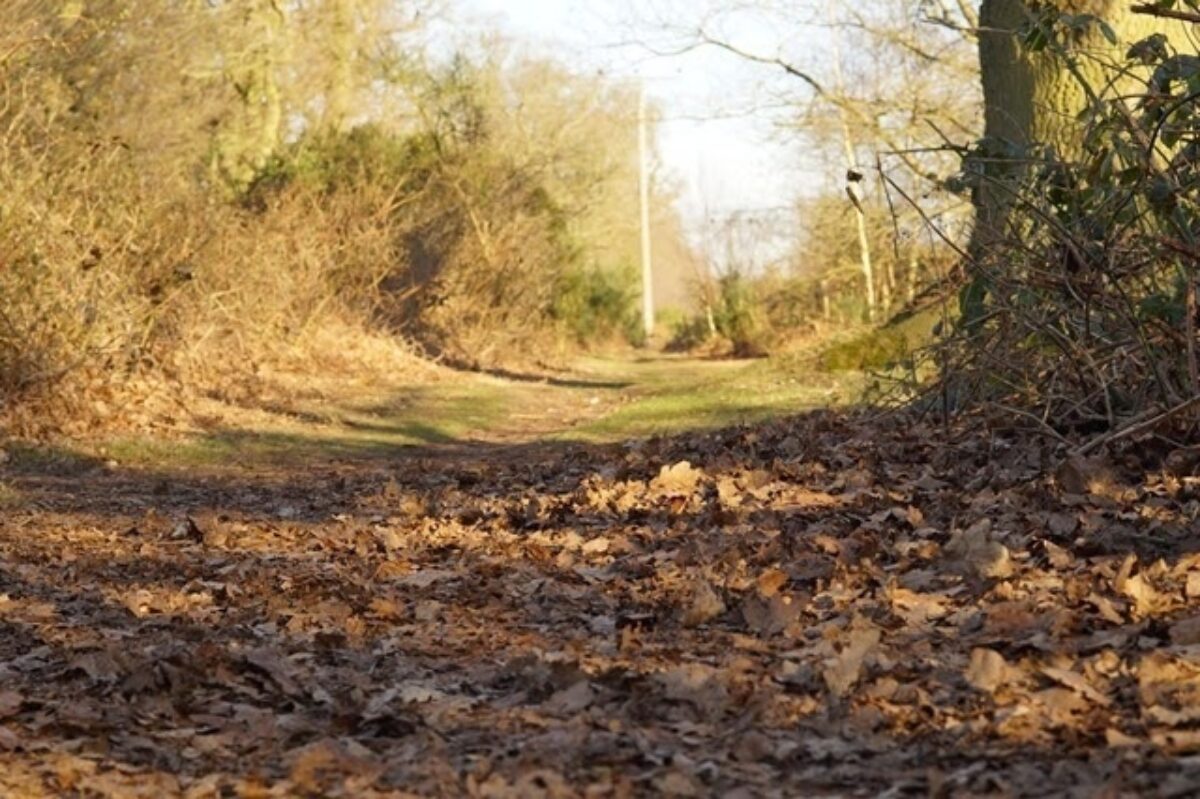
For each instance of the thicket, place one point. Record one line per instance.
(1080, 313)
(816, 292)
(190, 192)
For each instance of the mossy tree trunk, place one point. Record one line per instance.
(250, 133)
(1036, 96)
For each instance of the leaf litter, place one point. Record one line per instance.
(817, 606)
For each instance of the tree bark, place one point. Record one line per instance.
(342, 35)
(251, 133)
(1036, 97)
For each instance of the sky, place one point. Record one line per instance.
(726, 162)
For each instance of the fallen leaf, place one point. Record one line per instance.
(988, 670)
(770, 616)
(572, 700)
(679, 478)
(704, 605)
(1186, 632)
(1076, 682)
(843, 672)
(10, 703)
(771, 581)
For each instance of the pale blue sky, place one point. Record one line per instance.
(724, 165)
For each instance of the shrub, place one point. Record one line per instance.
(600, 305)
(1086, 313)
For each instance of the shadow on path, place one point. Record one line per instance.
(561, 614)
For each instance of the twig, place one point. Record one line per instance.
(1165, 13)
(925, 217)
(1193, 367)
(1042, 426)
(1135, 427)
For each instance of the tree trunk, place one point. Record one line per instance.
(848, 146)
(342, 40)
(250, 134)
(1036, 97)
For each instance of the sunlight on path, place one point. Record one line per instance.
(670, 394)
(600, 399)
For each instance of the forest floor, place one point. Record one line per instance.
(594, 586)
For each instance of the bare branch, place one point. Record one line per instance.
(774, 61)
(1166, 13)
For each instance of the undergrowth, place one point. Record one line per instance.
(139, 268)
(1080, 315)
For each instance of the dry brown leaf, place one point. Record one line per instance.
(572, 700)
(1076, 682)
(842, 673)
(771, 581)
(988, 670)
(679, 478)
(918, 608)
(703, 604)
(1186, 632)
(10, 703)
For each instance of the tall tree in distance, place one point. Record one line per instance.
(255, 51)
(343, 44)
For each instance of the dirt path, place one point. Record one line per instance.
(824, 605)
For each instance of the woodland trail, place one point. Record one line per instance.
(548, 604)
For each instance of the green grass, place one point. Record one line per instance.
(674, 395)
(436, 414)
(624, 399)
(881, 348)
(48, 459)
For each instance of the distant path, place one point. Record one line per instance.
(372, 418)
